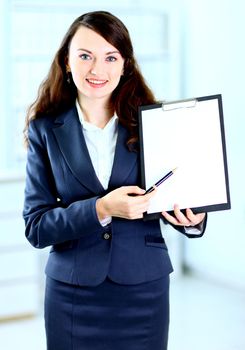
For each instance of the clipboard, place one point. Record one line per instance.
(188, 135)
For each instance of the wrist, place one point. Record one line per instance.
(101, 209)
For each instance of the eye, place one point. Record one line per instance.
(85, 57)
(111, 58)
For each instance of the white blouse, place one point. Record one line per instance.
(101, 144)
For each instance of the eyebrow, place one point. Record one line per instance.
(107, 53)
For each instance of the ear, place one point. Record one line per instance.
(68, 69)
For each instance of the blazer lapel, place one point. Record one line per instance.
(69, 136)
(124, 160)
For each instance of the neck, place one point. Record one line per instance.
(97, 113)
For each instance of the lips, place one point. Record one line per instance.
(97, 83)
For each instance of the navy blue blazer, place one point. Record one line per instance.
(59, 209)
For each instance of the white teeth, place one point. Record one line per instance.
(98, 82)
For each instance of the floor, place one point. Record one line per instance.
(203, 316)
(206, 316)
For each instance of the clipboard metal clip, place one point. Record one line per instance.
(188, 103)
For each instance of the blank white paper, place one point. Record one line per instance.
(189, 139)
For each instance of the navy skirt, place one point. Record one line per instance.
(109, 316)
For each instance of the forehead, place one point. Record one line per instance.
(88, 39)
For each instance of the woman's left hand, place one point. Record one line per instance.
(180, 219)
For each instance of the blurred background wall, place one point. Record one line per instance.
(185, 49)
(213, 61)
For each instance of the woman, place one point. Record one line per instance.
(108, 270)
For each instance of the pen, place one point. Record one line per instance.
(159, 182)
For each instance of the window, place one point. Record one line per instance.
(32, 32)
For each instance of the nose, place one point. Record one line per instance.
(97, 67)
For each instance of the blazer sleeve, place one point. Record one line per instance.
(47, 221)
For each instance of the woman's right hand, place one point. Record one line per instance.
(128, 202)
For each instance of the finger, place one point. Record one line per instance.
(182, 219)
(141, 204)
(151, 194)
(136, 206)
(142, 198)
(138, 211)
(170, 218)
(135, 190)
(132, 216)
(194, 218)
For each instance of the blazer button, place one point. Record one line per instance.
(106, 236)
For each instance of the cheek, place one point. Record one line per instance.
(78, 72)
(77, 65)
(76, 78)
(116, 74)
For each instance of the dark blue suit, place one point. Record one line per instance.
(60, 196)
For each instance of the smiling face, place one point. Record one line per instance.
(96, 66)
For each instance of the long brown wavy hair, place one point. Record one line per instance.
(56, 94)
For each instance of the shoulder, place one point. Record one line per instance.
(48, 122)
(42, 128)
(43, 122)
